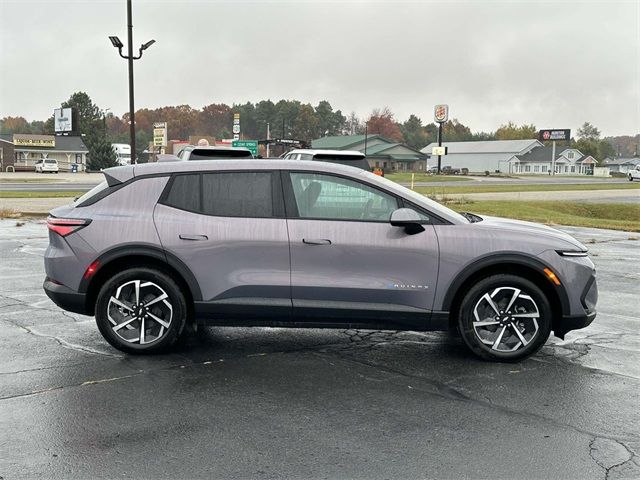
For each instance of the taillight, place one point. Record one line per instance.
(65, 226)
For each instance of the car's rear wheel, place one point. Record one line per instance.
(505, 318)
(141, 310)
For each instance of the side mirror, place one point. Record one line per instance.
(407, 218)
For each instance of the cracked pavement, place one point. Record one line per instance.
(284, 403)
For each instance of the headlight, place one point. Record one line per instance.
(572, 253)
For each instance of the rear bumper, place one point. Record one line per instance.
(66, 298)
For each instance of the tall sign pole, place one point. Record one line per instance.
(440, 115)
(552, 135)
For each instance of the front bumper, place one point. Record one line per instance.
(588, 300)
(66, 298)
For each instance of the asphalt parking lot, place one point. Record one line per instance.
(278, 403)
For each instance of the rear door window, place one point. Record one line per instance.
(227, 194)
(238, 194)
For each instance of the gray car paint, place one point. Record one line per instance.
(249, 257)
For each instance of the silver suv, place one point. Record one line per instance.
(306, 244)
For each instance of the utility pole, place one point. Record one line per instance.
(268, 138)
(115, 41)
(366, 126)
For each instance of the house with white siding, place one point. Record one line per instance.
(569, 161)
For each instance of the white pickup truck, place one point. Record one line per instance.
(634, 174)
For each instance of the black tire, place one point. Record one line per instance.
(175, 297)
(507, 284)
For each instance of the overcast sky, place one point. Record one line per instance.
(555, 64)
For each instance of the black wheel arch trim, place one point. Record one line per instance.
(144, 250)
(510, 258)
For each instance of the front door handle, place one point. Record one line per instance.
(316, 241)
(193, 237)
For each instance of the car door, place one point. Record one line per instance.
(229, 229)
(348, 264)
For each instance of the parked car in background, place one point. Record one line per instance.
(449, 170)
(306, 244)
(193, 152)
(634, 174)
(123, 153)
(352, 158)
(47, 165)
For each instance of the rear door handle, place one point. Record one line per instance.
(316, 241)
(193, 237)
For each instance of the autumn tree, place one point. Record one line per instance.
(454, 131)
(511, 131)
(10, 125)
(382, 122)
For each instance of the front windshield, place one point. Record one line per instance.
(417, 198)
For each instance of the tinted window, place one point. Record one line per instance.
(330, 197)
(204, 154)
(185, 192)
(238, 194)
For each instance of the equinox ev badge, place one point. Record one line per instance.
(408, 286)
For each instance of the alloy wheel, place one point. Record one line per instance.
(506, 319)
(140, 312)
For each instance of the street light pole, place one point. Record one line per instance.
(132, 114)
(130, 57)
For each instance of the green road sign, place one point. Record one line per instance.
(252, 145)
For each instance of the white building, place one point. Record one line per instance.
(569, 161)
(491, 155)
(622, 165)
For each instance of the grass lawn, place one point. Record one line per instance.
(551, 187)
(616, 216)
(36, 194)
(423, 177)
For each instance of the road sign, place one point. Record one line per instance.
(160, 134)
(236, 136)
(252, 145)
(555, 134)
(236, 129)
(439, 151)
(441, 113)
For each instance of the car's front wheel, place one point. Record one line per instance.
(141, 310)
(505, 318)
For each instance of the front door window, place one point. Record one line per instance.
(320, 196)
